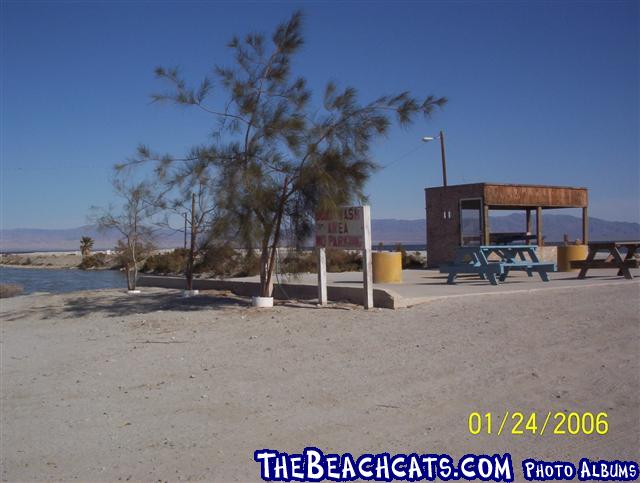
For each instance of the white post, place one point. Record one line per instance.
(366, 259)
(322, 276)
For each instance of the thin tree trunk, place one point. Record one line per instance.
(132, 248)
(132, 274)
(276, 239)
(128, 257)
(264, 269)
(264, 260)
(134, 270)
(192, 247)
(130, 280)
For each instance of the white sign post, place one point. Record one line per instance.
(367, 264)
(322, 276)
(350, 229)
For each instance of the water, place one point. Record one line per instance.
(61, 281)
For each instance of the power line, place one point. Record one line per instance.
(408, 153)
(58, 166)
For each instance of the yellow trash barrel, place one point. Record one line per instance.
(387, 267)
(569, 253)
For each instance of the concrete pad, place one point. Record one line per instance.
(418, 286)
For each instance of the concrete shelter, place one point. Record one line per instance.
(458, 215)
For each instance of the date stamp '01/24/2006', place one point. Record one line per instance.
(558, 423)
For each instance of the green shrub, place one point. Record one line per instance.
(414, 260)
(220, 260)
(171, 262)
(97, 260)
(249, 264)
(223, 260)
(339, 260)
(299, 262)
(10, 290)
(399, 248)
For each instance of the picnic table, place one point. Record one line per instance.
(614, 260)
(476, 259)
(505, 238)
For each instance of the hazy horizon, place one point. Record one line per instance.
(386, 230)
(493, 215)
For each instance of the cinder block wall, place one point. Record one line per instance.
(443, 233)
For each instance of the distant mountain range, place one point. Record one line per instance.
(41, 239)
(387, 231)
(554, 228)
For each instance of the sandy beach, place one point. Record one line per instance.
(41, 260)
(101, 386)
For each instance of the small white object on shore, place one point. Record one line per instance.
(262, 302)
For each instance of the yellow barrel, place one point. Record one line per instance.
(569, 253)
(387, 267)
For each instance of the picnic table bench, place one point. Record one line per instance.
(614, 260)
(476, 259)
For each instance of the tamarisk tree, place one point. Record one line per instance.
(133, 222)
(278, 156)
(193, 197)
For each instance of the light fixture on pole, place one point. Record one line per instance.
(426, 139)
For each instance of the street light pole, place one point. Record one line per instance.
(185, 230)
(426, 139)
(444, 160)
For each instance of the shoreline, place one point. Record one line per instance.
(53, 260)
(50, 267)
(44, 267)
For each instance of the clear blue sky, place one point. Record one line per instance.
(540, 92)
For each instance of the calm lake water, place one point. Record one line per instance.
(61, 281)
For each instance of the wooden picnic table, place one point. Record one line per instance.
(614, 260)
(476, 259)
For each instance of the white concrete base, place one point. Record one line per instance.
(133, 292)
(262, 302)
(190, 293)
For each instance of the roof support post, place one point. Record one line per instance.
(485, 224)
(529, 227)
(539, 226)
(585, 225)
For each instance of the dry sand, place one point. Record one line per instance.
(41, 259)
(105, 386)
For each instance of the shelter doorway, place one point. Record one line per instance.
(470, 221)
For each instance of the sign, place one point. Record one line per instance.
(350, 229)
(342, 230)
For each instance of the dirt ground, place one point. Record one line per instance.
(104, 386)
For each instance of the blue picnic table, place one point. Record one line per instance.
(476, 259)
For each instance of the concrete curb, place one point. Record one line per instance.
(381, 297)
